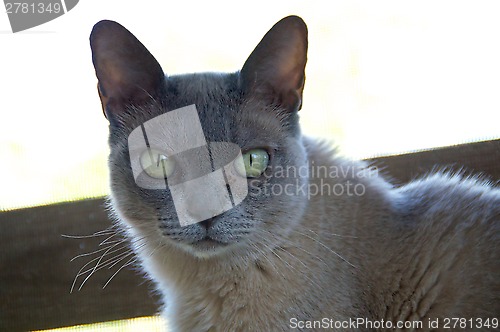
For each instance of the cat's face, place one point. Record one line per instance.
(256, 109)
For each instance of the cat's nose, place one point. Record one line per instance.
(207, 223)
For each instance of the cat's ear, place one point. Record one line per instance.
(127, 73)
(276, 68)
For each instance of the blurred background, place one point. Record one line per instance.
(383, 77)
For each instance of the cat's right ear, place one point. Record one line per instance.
(275, 71)
(127, 73)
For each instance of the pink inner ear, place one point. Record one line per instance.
(290, 72)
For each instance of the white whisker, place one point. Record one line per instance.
(326, 247)
(129, 262)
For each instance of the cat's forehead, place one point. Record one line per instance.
(208, 82)
(215, 97)
(203, 89)
(224, 114)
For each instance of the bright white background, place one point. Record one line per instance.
(383, 77)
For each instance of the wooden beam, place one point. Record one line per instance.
(36, 273)
(480, 158)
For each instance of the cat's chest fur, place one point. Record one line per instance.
(375, 256)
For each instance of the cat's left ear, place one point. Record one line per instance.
(127, 72)
(275, 70)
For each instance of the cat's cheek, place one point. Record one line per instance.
(255, 188)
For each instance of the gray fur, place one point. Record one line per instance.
(427, 250)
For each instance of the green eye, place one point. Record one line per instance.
(156, 164)
(255, 163)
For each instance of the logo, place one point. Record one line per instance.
(170, 151)
(26, 14)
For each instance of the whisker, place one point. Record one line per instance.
(326, 247)
(332, 234)
(117, 259)
(107, 251)
(263, 254)
(129, 262)
(96, 234)
(104, 264)
(306, 251)
(79, 273)
(105, 241)
(88, 254)
(114, 249)
(291, 267)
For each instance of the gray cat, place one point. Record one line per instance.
(319, 241)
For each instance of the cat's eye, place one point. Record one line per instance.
(156, 164)
(255, 162)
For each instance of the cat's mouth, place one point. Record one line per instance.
(208, 238)
(207, 247)
(208, 242)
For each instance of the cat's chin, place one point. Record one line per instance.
(205, 248)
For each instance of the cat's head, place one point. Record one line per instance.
(255, 108)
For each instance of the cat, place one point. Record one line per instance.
(319, 241)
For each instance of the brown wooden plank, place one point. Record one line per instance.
(474, 158)
(36, 272)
